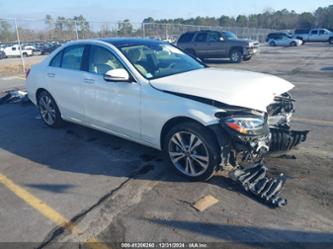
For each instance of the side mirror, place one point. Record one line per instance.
(119, 74)
(221, 39)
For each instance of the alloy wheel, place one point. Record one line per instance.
(235, 56)
(47, 109)
(188, 153)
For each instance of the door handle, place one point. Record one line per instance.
(51, 75)
(89, 81)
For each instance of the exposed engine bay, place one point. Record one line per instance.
(252, 136)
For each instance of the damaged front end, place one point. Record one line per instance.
(279, 113)
(247, 136)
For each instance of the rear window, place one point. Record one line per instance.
(72, 57)
(186, 37)
(56, 61)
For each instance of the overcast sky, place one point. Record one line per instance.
(137, 10)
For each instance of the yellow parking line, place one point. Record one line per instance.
(46, 210)
(95, 244)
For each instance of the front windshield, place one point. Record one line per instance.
(230, 36)
(159, 60)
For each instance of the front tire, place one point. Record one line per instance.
(236, 56)
(330, 40)
(192, 150)
(293, 44)
(49, 110)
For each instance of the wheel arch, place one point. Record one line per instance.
(240, 48)
(40, 90)
(178, 120)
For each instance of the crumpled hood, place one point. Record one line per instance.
(233, 87)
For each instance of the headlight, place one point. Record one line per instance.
(245, 125)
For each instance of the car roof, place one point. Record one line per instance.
(127, 42)
(279, 33)
(202, 31)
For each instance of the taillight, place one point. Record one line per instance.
(27, 73)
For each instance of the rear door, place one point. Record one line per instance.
(200, 45)
(65, 76)
(112, 106)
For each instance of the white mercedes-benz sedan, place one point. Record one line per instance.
(153, 93)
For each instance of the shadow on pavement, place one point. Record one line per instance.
(254, 236)
(82, 150)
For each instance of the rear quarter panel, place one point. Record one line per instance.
(35, 81)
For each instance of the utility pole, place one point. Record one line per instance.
(19, 43)
(143, 30)
(76, 32)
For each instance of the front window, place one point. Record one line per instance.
(159, 60)
(213, 37)
(102, 60)
(201, 37)
(230, 36)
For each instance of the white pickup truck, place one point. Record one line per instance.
(15, 50)
(314, 35)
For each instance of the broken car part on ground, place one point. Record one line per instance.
(14, 96)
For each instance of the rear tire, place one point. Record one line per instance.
(49, 110)
(192, 151)
(330, 40)
(236, 55)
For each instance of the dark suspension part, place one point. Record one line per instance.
(285, 140)
(255, 181)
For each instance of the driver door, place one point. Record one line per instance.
(111, 106)
(215, 48)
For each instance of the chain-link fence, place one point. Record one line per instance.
(42, 36)
(171, 32)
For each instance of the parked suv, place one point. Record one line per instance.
(213, 44)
